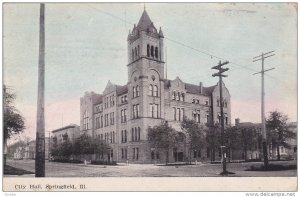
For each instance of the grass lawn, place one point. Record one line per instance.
(8, 170)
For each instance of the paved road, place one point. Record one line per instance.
(54, 169)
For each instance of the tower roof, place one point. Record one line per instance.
(144, 22)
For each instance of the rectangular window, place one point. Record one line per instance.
(182, 114)
(133, 153)
(137, 153)
(178, 114)
(155, 111)
(124, 114)
(125, 136)
(174, 111)
(101, 121)
(226, 120)
(113, 118)
(132, 134)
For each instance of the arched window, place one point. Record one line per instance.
(156, 52)
(155, 92)
(182, 95)
(174, 95)
(177, 96)
(134, 92)
(152, 51)
(148, 50)
(137, 91)
(150, 90)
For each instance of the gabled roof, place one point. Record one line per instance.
(209, 90)
(121, 89)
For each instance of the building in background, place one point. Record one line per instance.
(70, 133)
(122, 114)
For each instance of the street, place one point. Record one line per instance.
(55, 169)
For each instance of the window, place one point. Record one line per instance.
(139, 134)
(174, 95)
(178, 96)
(136, 111)
(219, 118)
(150, 90)
(193, 101)
(154, 110)
(226, 120)
(148, 50)
(206, 102)
(155, 92)
(135, 153)
(218, 103)
(122, 99)
(137, 91)
(101, 121)
(207, 118)
(138, 54)
(183, 97)
(125, 98)
(134, 92)
(113, 137)
(178, 114)
(124, 153)
(174, 111)
(156, 52)
(86, 120)
(97, 123)
(197, 101)
(132, 134)
(135, 52)
(152, 51)
(225, 104)
(182, 113)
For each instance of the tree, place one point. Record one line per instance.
(83, 145)
(100, 147)
(13, 121)
(277, 130)
(213, 138)
(195, 135)
(162, 137)
(232, 140)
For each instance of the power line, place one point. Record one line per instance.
(247, 67)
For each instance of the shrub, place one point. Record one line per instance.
(99, 162)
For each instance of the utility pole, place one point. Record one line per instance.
(40, 121)
(262, 57)
(220, 75)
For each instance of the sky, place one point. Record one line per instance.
(86, 45)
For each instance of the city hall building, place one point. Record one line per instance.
(122, 114)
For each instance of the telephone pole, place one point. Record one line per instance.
(262, 57)
(220, 75)
(40, 121)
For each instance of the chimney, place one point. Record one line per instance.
(201, 87)
(237, 121)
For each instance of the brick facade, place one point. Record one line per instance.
(122, 114)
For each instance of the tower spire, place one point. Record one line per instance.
(144, 6)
